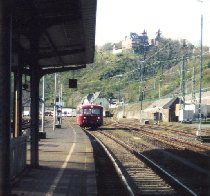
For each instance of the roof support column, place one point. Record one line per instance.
(17, 111)
(5, 61)
(34, 94)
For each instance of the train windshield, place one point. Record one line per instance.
(93, 111)
(96, 111)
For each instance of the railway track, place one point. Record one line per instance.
(143, 176)
(190, 166)
(171, 140)
(107, 176)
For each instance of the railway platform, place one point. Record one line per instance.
(66, 166)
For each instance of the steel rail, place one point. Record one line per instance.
(118, 170)
(156, 167)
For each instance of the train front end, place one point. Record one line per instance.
(90, 116)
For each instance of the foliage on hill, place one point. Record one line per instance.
(157, 72)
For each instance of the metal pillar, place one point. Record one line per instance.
(183, 82)
(34, 93)
(55, 111)
(43, 103)
(17, 111)
(193, 85)
(60, 103)
(159, 93)
(198, 132)
(42, 133)
(5, 61)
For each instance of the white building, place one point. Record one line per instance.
(195, 108)
(68, 112)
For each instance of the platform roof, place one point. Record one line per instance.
(65, 30)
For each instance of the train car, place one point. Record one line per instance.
(90, 115)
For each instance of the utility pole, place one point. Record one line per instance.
(183, 76)
(123, 87)
(142, 98)
(43, 103)
(140, 92)
(60, 104)
(54, 105)
(193, 85)
(198, 132)
(160, 80)
(42, 133)
(154, 83)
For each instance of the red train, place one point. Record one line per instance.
(90, 115)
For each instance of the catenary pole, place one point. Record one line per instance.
(43, 103)
(198, 133)
(54, 118)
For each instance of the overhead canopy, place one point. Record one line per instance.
(64, 31)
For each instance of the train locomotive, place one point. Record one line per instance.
(90, 115)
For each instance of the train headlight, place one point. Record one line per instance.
(84, 117)
(99, 117)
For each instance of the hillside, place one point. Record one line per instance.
(164, 70)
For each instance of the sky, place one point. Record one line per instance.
(176, 19)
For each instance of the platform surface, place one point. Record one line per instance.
(66, 166)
